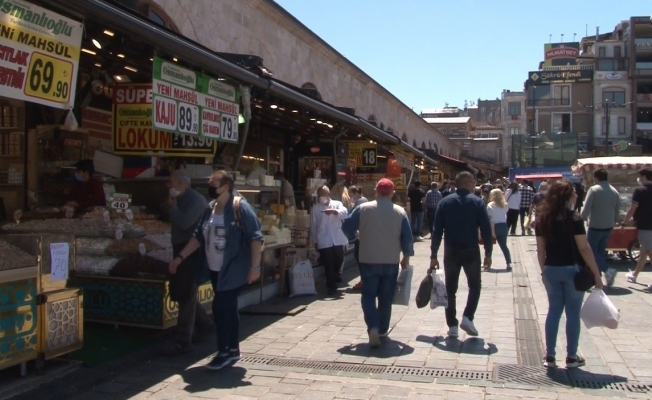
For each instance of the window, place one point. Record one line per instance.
(561, 95)
(614, 96)
(618, 52)
(514, 108)
(561, 123)
(621, 125)
(613, 65)
(514, 130)
(483, 110)
(602, 51)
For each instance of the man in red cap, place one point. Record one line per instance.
(385, 233)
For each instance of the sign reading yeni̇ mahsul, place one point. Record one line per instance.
(133, 133)
(39, 54)
(364, 153)
(190, 103)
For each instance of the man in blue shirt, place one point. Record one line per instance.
(460, 215)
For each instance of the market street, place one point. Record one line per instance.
(281, 354)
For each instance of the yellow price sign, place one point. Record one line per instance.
(49, 78)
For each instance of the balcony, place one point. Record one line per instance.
(548, 102)
(644, 69)
(569, 67)
(644, 98)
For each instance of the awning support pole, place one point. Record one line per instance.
(245, 91)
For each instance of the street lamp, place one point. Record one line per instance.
(533, 131)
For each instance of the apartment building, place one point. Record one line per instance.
(514, 121)
(638, 46)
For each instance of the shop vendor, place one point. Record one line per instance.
(87, 191)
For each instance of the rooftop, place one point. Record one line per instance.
(445, 110)
(449, 120)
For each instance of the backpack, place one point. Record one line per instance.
(236, 210)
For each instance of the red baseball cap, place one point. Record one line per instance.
(385, 186)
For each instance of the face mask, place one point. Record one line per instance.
(212, 192)
(323, 200)
(78, 177)
(174, 192)
(638, 180)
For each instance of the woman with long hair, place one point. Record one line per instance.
(339, 192)
(561, 248)
(513, 197)
(497, 210)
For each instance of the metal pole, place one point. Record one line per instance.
(606, 111)
(532, 132)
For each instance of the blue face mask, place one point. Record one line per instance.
(78, 177)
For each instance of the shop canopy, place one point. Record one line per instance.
(622, 163)
(135, 24)
(539, 177)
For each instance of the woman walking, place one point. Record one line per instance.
(513, 197)
(497, 210)
(561, 247)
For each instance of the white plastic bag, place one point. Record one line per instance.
(439, 296)
(403, 287)
(302, 280)
(599, 311)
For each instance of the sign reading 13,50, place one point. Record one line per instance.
(49, 78)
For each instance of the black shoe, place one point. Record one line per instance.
(175, 350)
(234, 355)
(549, 362)
(331, 292)
(575, 362)
(220, 361)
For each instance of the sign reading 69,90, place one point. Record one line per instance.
(49, 78)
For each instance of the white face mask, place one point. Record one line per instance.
(174, 192)
(639, 180)
(324, 200)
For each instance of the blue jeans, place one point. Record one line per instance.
(560, 286)
(417, 222)
(598, 240)
(378, 282)
(501, 237)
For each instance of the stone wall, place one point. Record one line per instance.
(298, 56)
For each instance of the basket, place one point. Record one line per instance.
(300, 236)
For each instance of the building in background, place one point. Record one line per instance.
(514, 121)
(638, 45)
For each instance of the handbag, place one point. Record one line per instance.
(425, 291)
(583, 279)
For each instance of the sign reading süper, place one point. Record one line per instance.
(39, 54)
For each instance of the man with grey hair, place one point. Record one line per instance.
(186, 208)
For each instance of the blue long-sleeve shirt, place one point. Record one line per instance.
(459, 215)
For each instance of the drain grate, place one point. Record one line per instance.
(253, 359)
(539, 376)
(439, 373)
(328, 366)
(588, 383)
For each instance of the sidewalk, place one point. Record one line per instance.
(322, 353)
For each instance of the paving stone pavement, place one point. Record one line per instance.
(334, 330)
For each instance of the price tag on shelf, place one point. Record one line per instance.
(120, 201)
(49, 78)
(59, 254)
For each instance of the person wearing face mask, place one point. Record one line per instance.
(229, 240)
(641, 212)
(326, 235)
(86, 191)
(186, 208)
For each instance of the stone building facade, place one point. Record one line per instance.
(298, 56)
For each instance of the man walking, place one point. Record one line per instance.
(602, 211)
(326, 234)
(641, 211)
(186, 209)
(527, 194)
(384, 234)
(416, 210)
(458, 217)
(433, 197)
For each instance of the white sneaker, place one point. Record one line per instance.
(649, 288)
(374, 337)
(453, 332)
(631, 277)
(468, 327)
(611, 276)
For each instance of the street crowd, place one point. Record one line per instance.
(222, 242)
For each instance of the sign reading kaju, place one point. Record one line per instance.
(39, 54)
(190, 103)
(133, 133)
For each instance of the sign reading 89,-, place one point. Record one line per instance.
(49, 78)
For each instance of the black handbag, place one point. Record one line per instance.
(584, 279)
(425, 290)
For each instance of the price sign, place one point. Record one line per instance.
(229, 128)
(49, 78)
(120, 201)
(188, 118)
(59, 255)
(369, 157)
(365, 154)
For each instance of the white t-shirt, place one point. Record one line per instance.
(215, 235)
(513, 199)
(497, 215)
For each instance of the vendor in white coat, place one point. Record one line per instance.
(326, 235)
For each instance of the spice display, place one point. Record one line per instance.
(163, 240)
(13, 257)
(90, 265)
(153, 226)
(79, 227)
(92, 247)
(162, 255)
(140, 267)
(112, 247)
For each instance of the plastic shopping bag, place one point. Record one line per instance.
(302, 279)
(439, 296)
(403, 286)
(599, 311)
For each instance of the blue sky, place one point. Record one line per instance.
(429, 52)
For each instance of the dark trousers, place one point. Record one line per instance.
(183, 290)
(512, 220)
(227, 318)
(457, 258)
(524, 212)
(331, 258)
(430, 215)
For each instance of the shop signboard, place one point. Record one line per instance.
(403, 158)
(364, 153)
(622, 149)
(133, 133)
(39, 54)
(555, 77)
(190, 103)
(558, 54)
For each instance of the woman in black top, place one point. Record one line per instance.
(561, 247)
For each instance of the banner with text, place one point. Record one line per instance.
(39, 54)
(133, 133)
(189, 103)
(403, 158)
(365, 154)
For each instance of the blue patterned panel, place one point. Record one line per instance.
(18, 325)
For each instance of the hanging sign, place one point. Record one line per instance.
(133, 133)
(364, 153)
(403, 158)
(39, 54)
(189, 103)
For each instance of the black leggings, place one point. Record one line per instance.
(512, 220)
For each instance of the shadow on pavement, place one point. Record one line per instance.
(199, 379)
(617, 291)
(388, 348)
(472, 345)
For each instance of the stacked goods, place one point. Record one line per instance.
(153, 226)
(12, 257)
(140, 267)
(78, 227)
(94, 265)
(113, 247)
